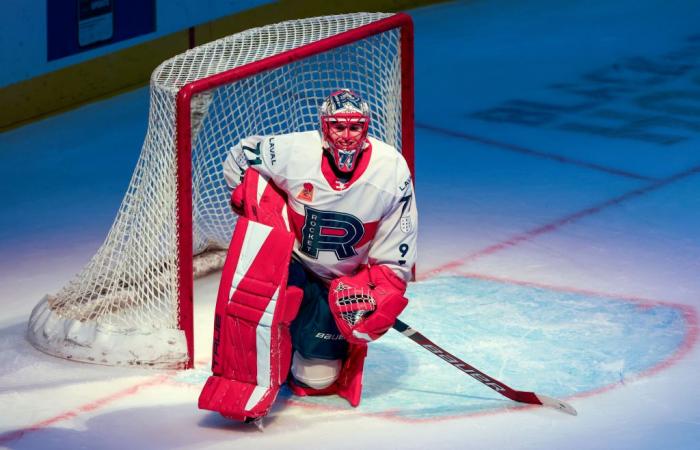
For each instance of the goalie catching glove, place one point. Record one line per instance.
(366, 305)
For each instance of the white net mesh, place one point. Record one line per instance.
(123, 307)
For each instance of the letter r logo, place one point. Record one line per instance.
(330, 231)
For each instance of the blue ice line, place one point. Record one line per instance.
(537, 153)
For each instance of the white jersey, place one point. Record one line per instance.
(371, 218)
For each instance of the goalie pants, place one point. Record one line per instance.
(314, 332)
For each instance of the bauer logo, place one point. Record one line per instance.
(329, 336)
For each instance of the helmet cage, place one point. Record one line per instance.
(344, 147)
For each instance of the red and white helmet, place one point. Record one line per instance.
(344, 125)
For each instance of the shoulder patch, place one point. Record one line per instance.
(306, 193)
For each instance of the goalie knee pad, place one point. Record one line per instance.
(315, 373)
(349, 382)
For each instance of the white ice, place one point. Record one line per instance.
(558, 181)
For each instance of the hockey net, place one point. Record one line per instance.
(132, 303)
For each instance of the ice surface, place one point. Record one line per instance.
(557, 182)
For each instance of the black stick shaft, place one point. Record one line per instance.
(498, 386)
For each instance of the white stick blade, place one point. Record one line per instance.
(557, 404)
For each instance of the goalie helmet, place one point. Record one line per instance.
(344, 125)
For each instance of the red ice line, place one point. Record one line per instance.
(552, 226)
(92, 406)
(689, 314)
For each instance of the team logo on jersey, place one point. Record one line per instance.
(330, 231)
(306, 193)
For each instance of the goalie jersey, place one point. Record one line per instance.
(338, 226)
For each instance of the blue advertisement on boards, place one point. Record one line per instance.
(78, 25)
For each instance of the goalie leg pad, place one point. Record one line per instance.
(252, 344)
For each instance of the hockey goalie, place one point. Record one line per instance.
(318, 263)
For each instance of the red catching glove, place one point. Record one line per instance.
(367, 304)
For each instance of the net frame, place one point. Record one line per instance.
(186, 98)
(184, 134)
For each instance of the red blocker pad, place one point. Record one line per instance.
(252, 344)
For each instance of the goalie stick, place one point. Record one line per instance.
(518, 396)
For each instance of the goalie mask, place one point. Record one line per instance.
(344, 125)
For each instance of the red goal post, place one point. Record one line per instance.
(137, 291)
